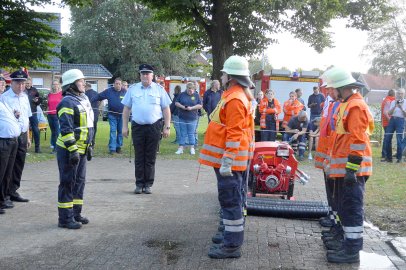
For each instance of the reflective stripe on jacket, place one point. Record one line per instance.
(264, 110)
(354, 124)
(230, 132)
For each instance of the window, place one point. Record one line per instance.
(38, 82)
(94, 85)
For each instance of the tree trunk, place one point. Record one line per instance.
(220, 38)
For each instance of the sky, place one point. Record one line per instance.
(292, 53)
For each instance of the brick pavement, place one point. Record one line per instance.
(170, 229)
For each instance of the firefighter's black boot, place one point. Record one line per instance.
(326, 222)
(334, 244)
(343, 256)
(82, 220)
(218, 238)
(225, 252)
(73, 225)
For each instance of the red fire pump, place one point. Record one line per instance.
(274, 170)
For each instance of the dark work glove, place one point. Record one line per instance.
(350, 178)
(74, 158)
(89, 153)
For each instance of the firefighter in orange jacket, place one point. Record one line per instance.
(228, 146)
(269, 107)
(350, 162)
(291, 107)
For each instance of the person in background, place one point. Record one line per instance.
(54, 97)
(17, 99)
(175, 113)
(2, 85)
(269, 108)
(314, 134)
(125, 85)
(114, 95)
(92, 96)
(211, 97)
(259, 97)
(35, 100)
(314, 103)
(148, 103)
(291, 108)
(188, 103)
(397, 111)
(299, 94)
(385, 106)
(296, 133)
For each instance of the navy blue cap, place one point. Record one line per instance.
(146, 68)
(18, 75)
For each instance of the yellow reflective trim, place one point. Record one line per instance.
(65, 110)
(68, 137)
(72, 148)
(65, 205)
(77, 202)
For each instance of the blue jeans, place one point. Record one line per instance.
(175, 119)
(395, 124)
(116, 133)
(54, 126)
(35, 130)
(384, 141)
(196, 133)
(187, 132)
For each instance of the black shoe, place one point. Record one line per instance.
(2, 211)
(38, 151)
(71, 225)
(224, 252)
(138, 190)
(112, 152)
(218, 238)
(118, 150)
(6, 206)
(343, 257)
(147, 190)
(82, 220)
(326, 222)
(18, 198)
(221, 228)
(399, 161)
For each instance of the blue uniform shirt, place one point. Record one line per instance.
(318, 99)
(9, 127)
(188, 100)
(114, 97)
(19, 103)
(146, 103)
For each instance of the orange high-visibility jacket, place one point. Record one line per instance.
(291, 109)
(230, 132)
(385, 106)
(354, 125)
(264, 110)
(325, 133)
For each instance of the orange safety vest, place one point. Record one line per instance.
(291, 109)
(354, 125)
(230, 132)
(385, 106)
(264, 110)
(325, 133)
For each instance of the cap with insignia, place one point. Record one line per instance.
(18, 75)
(146, 68)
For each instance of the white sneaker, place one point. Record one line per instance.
(310, 157)
(179, 152)
(192, 151)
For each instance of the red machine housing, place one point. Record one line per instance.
(274, 169)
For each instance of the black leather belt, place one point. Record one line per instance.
(8, 139)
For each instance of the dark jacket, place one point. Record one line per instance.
(174, 109)
(210, 100)
(33, 93)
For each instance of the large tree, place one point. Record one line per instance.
(120, 34)
(245, 27)
(387, 43)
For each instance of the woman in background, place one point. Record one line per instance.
(54, 97)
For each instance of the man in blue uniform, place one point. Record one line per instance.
(75, 116)
(92, 95)
(114, 95)
(148, 103)
(17, 100)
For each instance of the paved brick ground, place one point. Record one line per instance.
(170, 229)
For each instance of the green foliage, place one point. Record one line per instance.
(121, 35)
(245, 27)
(25, 39)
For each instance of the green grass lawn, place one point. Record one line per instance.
(386, 188)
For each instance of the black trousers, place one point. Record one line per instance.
(8, 150)
(18, 165)
(146, 140)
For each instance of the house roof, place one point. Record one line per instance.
(378, 82)
(89, 70)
